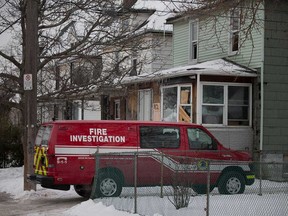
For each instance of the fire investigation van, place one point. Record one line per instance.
(65, 156)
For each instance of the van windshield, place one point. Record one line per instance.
(43, 136)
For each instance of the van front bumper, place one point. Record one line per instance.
(249, 178)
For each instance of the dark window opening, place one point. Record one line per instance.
(159, 137)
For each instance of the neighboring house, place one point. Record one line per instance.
(153, 54)
(226, 76)
(67, 75)
(156, 36)
(71, 72)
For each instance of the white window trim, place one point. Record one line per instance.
(193, 61)
(230, 35)
(225, 108)
(178, 99)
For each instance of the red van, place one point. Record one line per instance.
(65, 156)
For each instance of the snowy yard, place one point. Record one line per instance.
(273, 201)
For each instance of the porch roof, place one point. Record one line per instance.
(219, 67)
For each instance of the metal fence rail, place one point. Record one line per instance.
(267, 196)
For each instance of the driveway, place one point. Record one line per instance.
(43, 206)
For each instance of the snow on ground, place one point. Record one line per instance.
(11, 181)
(272, 202)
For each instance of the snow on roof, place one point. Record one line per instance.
(163, 10)
(218, 67)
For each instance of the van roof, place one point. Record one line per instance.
(119, 122)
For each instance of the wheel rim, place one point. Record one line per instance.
(233, 185)
(108, 187)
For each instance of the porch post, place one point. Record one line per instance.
(198, 105)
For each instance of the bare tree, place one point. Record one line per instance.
(94, 38)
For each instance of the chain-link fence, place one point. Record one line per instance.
(152, 183)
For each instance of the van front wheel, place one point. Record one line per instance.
(108, 185)
(231, 183)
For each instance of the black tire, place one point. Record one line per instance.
(201, 189)
(83, 190)
(231, 183)
(108, 185)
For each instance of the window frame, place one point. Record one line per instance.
(178, 102)
(226, 104)
(193, 41)
(233, 32)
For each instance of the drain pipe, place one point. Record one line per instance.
(261, 114)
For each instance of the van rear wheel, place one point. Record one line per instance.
(231, 183)
(108, 185)
(201, 189)
(83, 190)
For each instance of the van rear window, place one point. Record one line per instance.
(43, 136)
(159, 137)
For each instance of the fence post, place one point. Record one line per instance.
(208, 188)
(162, 171)
(94, 186)
(260, 173)
(135, 183)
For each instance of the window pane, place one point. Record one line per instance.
(235, 41)
(212, 114)
(198, 139)
(213, 94)
(117, 109)
(43, 136)
(238, 105)
(39, 136)
(170, 104)
(238, 95)
(185, 97)
(234, 20)
(185, 113)
(238, 112)
(194, 50)
(159, 137)
(194, 31)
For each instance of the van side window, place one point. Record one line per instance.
(199, 140)
(159, 137)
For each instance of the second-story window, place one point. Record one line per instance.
(134, 64)
(234, 40)
(193, 40)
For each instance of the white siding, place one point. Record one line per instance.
(236, 138)
(181, 43)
